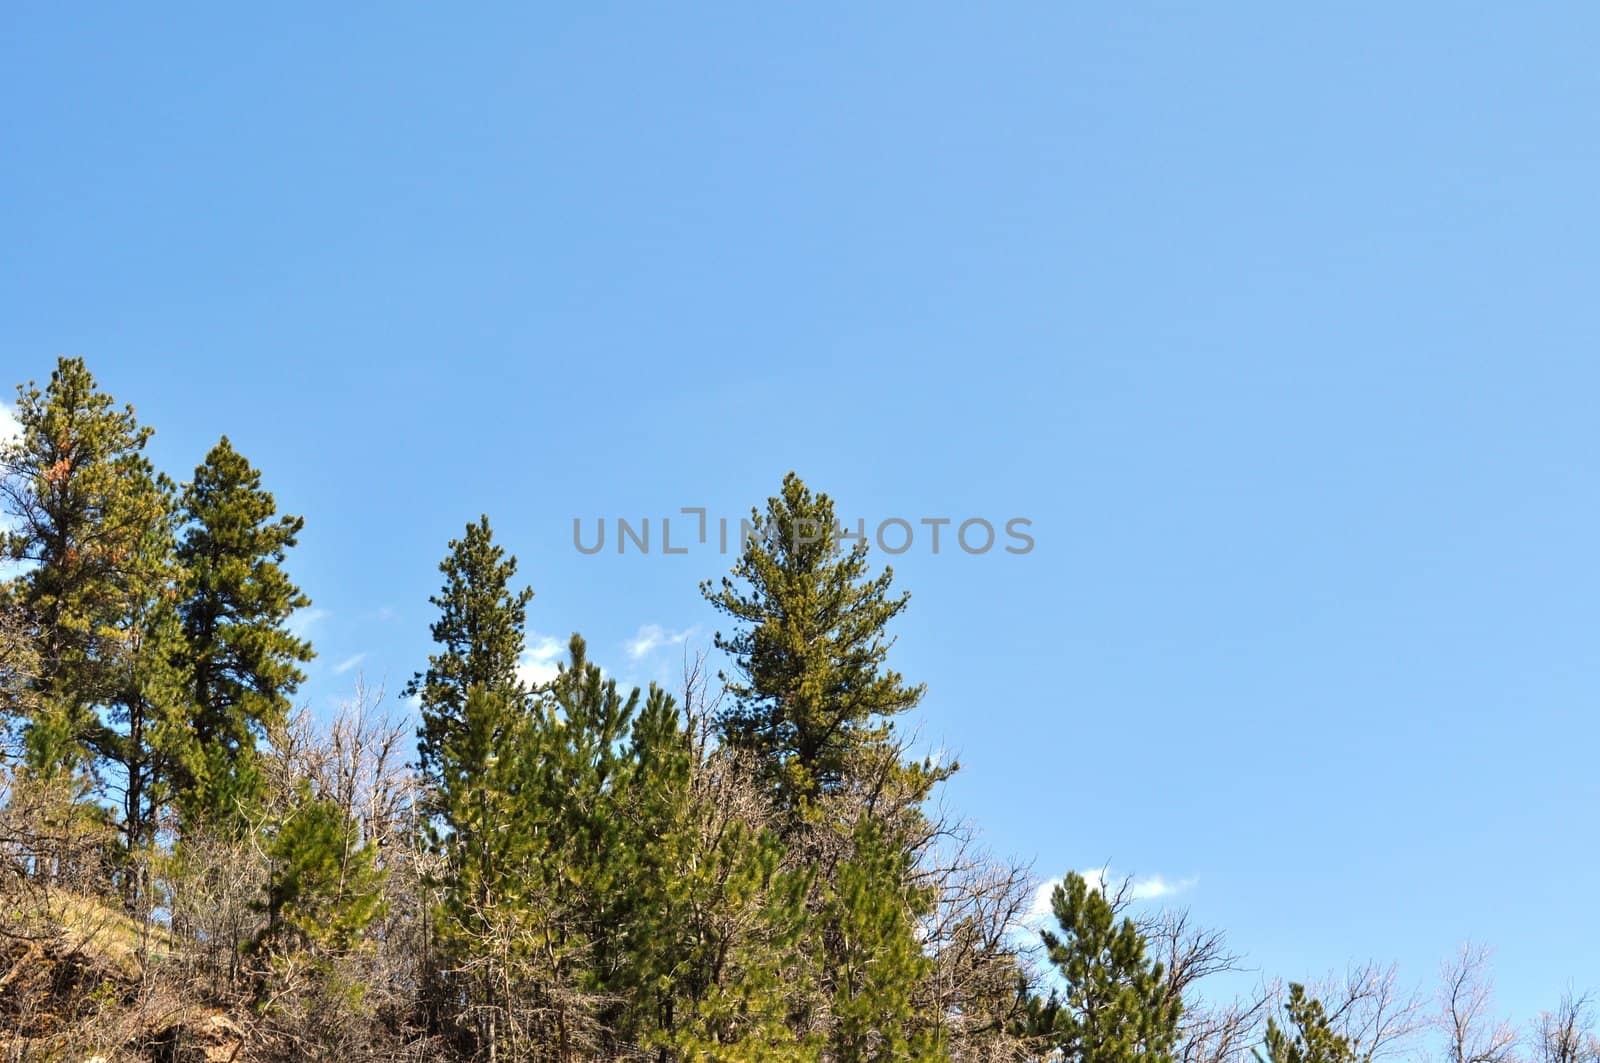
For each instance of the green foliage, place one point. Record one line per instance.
(93, 529)
(814, 707)
(325, 887)
(707, 925)
(1309, 1038)
(480, 635)
(240, 659)
(876, 962)
(590, 871)
(473, 752)
(810, 647)
(1114, 1006)
(91, 523)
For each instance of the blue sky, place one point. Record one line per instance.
(1278, 325)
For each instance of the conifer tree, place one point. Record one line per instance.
(481, 635)
(241, 660)
(1309, 1037)
(90, 521)
(1114, 1007)
(472, 751)
(812, 691)
(325, 886)
(706, 932)
(814, 707)
(875, 958)
(576, 765)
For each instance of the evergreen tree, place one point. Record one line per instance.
(707, 929)
(472, 750)
(1310, 1037)
(875, 958)
(812, 691)
(481, 634)
(576, 766)
(325, 886)
(90, 522)
(241, 660)
(1114, 1007)
(814, 707)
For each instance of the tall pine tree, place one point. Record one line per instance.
(92, 527)
(812, 693)
(90, 523)
(474, 728)
(242, 661)
(480, 634)
(814, 709)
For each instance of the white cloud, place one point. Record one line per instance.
(303, 620)
(1145, 888)
(538, 664)
(652, 637)
(348, 663)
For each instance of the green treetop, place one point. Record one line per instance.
(1309, 1038)
(90, 522)
(812, 692)
(244, 662)
(1114, 1007)
(480, 635)
(472, 751)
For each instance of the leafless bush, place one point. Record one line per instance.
(1567, 1034)
(1465, 1018)
(978, 991)
(1209, 1031)
(1373, 1010)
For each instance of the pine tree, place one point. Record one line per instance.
(93, 526)
(90, 520)
(1114, 1007)
(707, 927)
(325, 886)
(876, 962)
(472, 753)
(1310, 1037)
(481, 635)
(241, 660)
(576, 766)
(814, 708)
(813, 693)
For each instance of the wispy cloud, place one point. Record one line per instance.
(652, 637)
(348, 663)
(538, 664)
(303, 620)
(1140, 888)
